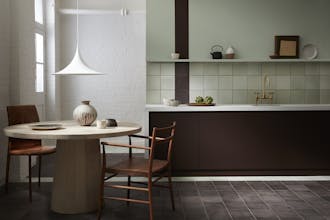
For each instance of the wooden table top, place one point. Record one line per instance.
(70, 130)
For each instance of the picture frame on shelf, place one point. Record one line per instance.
(286, 47)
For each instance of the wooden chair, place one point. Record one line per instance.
(18, 147)
(137, 166)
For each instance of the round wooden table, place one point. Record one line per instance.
(77, 175)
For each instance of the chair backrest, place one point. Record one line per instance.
(162, 137)
(21, 114)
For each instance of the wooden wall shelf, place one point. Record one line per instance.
(238, 61)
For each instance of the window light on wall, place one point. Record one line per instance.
(39, 45)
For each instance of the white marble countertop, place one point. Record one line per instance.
(274, 107)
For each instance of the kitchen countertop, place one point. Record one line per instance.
(247, 107)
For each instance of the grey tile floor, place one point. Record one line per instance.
(194, 200)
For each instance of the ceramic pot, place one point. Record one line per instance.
(85, 114)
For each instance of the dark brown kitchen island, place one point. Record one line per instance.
(252, 141)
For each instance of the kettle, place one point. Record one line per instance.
(216, 52)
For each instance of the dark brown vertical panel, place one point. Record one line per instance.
(182, 82)
(182, 47)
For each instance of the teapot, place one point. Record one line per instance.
(216, 52)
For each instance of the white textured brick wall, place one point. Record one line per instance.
(4, 79)
(115, 46)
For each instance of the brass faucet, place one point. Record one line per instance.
(264, 96)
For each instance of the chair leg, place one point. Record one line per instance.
(171, 189)
(7, 172)
(30, 183)
(150, 197)
(39, 170)
(101, 199)
(128, 190)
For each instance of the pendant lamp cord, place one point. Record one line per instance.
(77, 34)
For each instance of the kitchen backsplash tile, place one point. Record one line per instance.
(153, 97)
(325, 69)
(212, 69)
(153, 83)
(196, 69)
(325, 96)
(312, 69)
(225, 82)
(312, 82)
(167, 83)
(153, 69)
(210, 82)
(240, 82)
(283, 69)
(282, 82)
(240, 97)
(282, 96)
(297, 97)
(268, 68)
(167, 69)
(324, 82)
(254, 69)
(196, 82)
(237, 83)
(254, 82)
(240, 69)
(312, 96)
(225, 69)
(297, 82)
(225, 96)
(169, 94)
(297, 69)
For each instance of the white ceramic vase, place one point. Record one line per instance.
(85, 114)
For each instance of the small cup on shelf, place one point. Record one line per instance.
(175, 56)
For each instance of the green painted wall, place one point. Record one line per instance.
(250, 25)
(160, 29)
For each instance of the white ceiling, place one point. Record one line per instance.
(104, 4)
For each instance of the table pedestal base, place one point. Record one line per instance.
(77, 176)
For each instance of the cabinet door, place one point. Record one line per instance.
(185, 155)
(264, 141)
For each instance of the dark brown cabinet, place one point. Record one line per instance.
(243, 143)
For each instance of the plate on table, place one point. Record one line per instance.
(201, 104)
(45, 127)
(309, 52)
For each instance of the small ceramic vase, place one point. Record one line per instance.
(85, 114)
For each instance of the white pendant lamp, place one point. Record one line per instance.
(77, 66)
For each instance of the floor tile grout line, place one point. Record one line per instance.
(243, 200)
(183, 208)
(200, 197)
(264, 200)
(307, 202)
(302, 217)
(223, 202)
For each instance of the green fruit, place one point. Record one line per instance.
(208, 99)
(199, 99)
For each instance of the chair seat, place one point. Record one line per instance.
(136, 166)
(33, 150)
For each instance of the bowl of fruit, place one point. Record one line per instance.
(200, 101)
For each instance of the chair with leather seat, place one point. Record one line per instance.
(139, 166)
(21, 114)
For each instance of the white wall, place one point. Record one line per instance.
(104, 4)
(115, 46)
(4, 79)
